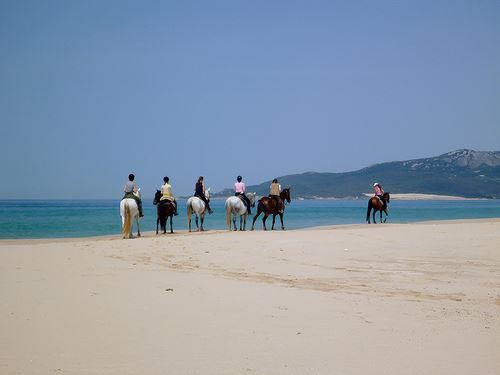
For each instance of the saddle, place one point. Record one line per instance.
(165, 202)
(241, 196)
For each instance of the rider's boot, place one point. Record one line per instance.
(175, 205)
(210, 211)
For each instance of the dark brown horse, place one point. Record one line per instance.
(164, 209)
(268, 206)
(377, 205)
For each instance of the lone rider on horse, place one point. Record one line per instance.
(199, 191)
(274, 193)
(129, 189)
(239, 191)
(166, 191)
(379, 192)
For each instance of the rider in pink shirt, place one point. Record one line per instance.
(239, 187)
(379, 192)
(239, 190)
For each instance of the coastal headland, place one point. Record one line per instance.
(356, 299)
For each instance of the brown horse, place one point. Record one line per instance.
(377, 205)
(164, 209)
(268, 206)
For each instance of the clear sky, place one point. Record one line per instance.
(93, 90)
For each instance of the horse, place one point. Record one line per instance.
(234, 207)
(199, 208)
(267, 205)
(129, 211)
(377, 205)
(164, 209)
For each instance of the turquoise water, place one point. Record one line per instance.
(51, 219)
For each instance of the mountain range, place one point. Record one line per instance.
(464, 173)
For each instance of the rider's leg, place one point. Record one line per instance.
(208, 206)
(247, 202)
(175, 206)
(139, 206)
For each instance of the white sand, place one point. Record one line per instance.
(385, 299)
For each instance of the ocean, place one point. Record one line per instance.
(83, 218)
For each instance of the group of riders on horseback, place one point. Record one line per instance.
(131, 189)
(273, 204)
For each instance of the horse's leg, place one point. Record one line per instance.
(234, 222)
(255, 218)
(282, 225)
(264, 220)
(196, 220)
(171, 224)
(274, 219)
(245, 223)
(138, 229)
(157, 223)
(374, 220)
(202, 219)
(386, 214)
(381, 211)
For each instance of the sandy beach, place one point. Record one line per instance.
(381, 299)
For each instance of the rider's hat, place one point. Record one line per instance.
(375, 184)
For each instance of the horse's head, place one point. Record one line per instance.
(285, 195)
(251, 198)
(387, 197)
(207, 193)
(157, 197)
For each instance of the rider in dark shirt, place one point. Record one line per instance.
(199, 191)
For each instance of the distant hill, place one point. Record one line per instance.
(465, 173)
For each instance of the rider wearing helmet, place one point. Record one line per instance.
(129, 189)
(274, 193)
(379, 192)
(199, 191)
(166, 191)
(239, 190)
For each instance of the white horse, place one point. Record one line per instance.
(235, 207)
(129, 211)
(199, 208)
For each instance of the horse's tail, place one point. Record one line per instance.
(128, 220)
(228, 215)
(370, 206)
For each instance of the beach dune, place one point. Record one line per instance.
(382, 299)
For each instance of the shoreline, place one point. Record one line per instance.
(185, 232)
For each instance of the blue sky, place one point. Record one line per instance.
(91, 91)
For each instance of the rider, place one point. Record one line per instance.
(239, 190)
(274, 193)
(199, 191)
(166, 191)
(379, 192)
(129, 189)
